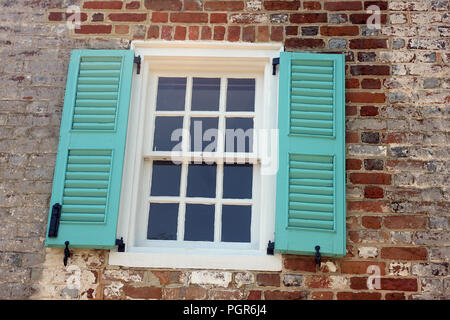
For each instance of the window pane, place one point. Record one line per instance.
(204, 132)
(199, 225)
(171, 94)
(168, 133)
(236, 222)
(165, 179)
(237, 181)
(201, 181)
(241, 95)
(162, 221)
(205, 94)
(239, 135)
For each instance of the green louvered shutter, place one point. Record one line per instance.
(88, 171)
(310, 207)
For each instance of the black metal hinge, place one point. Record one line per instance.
(270, 248)
(137, 60)
(54, 220)
(120, 245)
(318, 257)
(66, 252)
(275, 62)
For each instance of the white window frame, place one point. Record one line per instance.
(176, 56)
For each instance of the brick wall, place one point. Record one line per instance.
(397, 144)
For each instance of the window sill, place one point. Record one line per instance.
(256, 261)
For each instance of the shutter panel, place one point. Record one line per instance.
(310, 205)
(88, 171)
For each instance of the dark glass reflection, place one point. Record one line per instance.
(236, 223)
(237, 181)
(162, 221)
(201, 180)
(239, 135)
(171, 94)
(241, 95)
(199, 223)
(165, 179)
(168, 133)
(204, 134)
(205, 94)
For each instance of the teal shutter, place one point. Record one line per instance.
(88, 171)
(310, 205)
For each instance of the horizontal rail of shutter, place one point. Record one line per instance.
(88, 171)
(310, 205)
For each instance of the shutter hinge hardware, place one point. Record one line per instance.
(318, 257)
(137, 60)
(275, 62)
(54, 220)
(120, 245)
(270, 248)
(66, 252)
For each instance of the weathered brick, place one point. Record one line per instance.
(404, 253)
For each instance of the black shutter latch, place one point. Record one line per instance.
(275, 62)
(270, 248)
(318, 257)
(137, 60)
(66, 253)
(120, 245)
(54, 221)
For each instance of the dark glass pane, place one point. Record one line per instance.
(199, 223)
(162, 221)
(204, 133)
(205, 94)
(241, 95)
(237, 181)
(239, 135)
(171, 94)
(236, 223)
(165, 179)
(168, 133)
(201, 181)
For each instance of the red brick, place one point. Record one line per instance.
(94, 29)
(189, 17)
(308, 17)
(371, 84)
(163, 5)
(353, 164)
(249, 34)
(160, 17)
(218, 294)
(405, 222)
(142, 292)
(371, 192)
(219, 33)
(367, 206)
(284, 295)
(322, 295)
(304, 43)
(317, 282)
(262, 34)
(173, 293)
(351, 137)
(393, 137)
(368, 43)
(339, 31)
(268, 279)
(291, 30)
(364, 97)
(394, 165)
(368, 111)
(404, 253)
(180, 33)
(234, 33)
(371, 222)
(358, 283)
(370, 178)
(299, 264)
(128, 17)
(218, 18)
(312, 5)
(361, 18)
(103, 5)
(206, 33)
(166, 32)
(383, 5)
(343, 6)
(195, 293)
(194, 32)
(153, 32)
(254, 295)
(399, 284)
(395, 296)
(122, 29)
(358, 296)
(281, 5)
(133, 5)
(276, 33)
(352, 83)
(97, 17)
(56, 16)
(351, 110)
(224, 5)
(360, 267)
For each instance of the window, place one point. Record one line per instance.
(196, 182)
